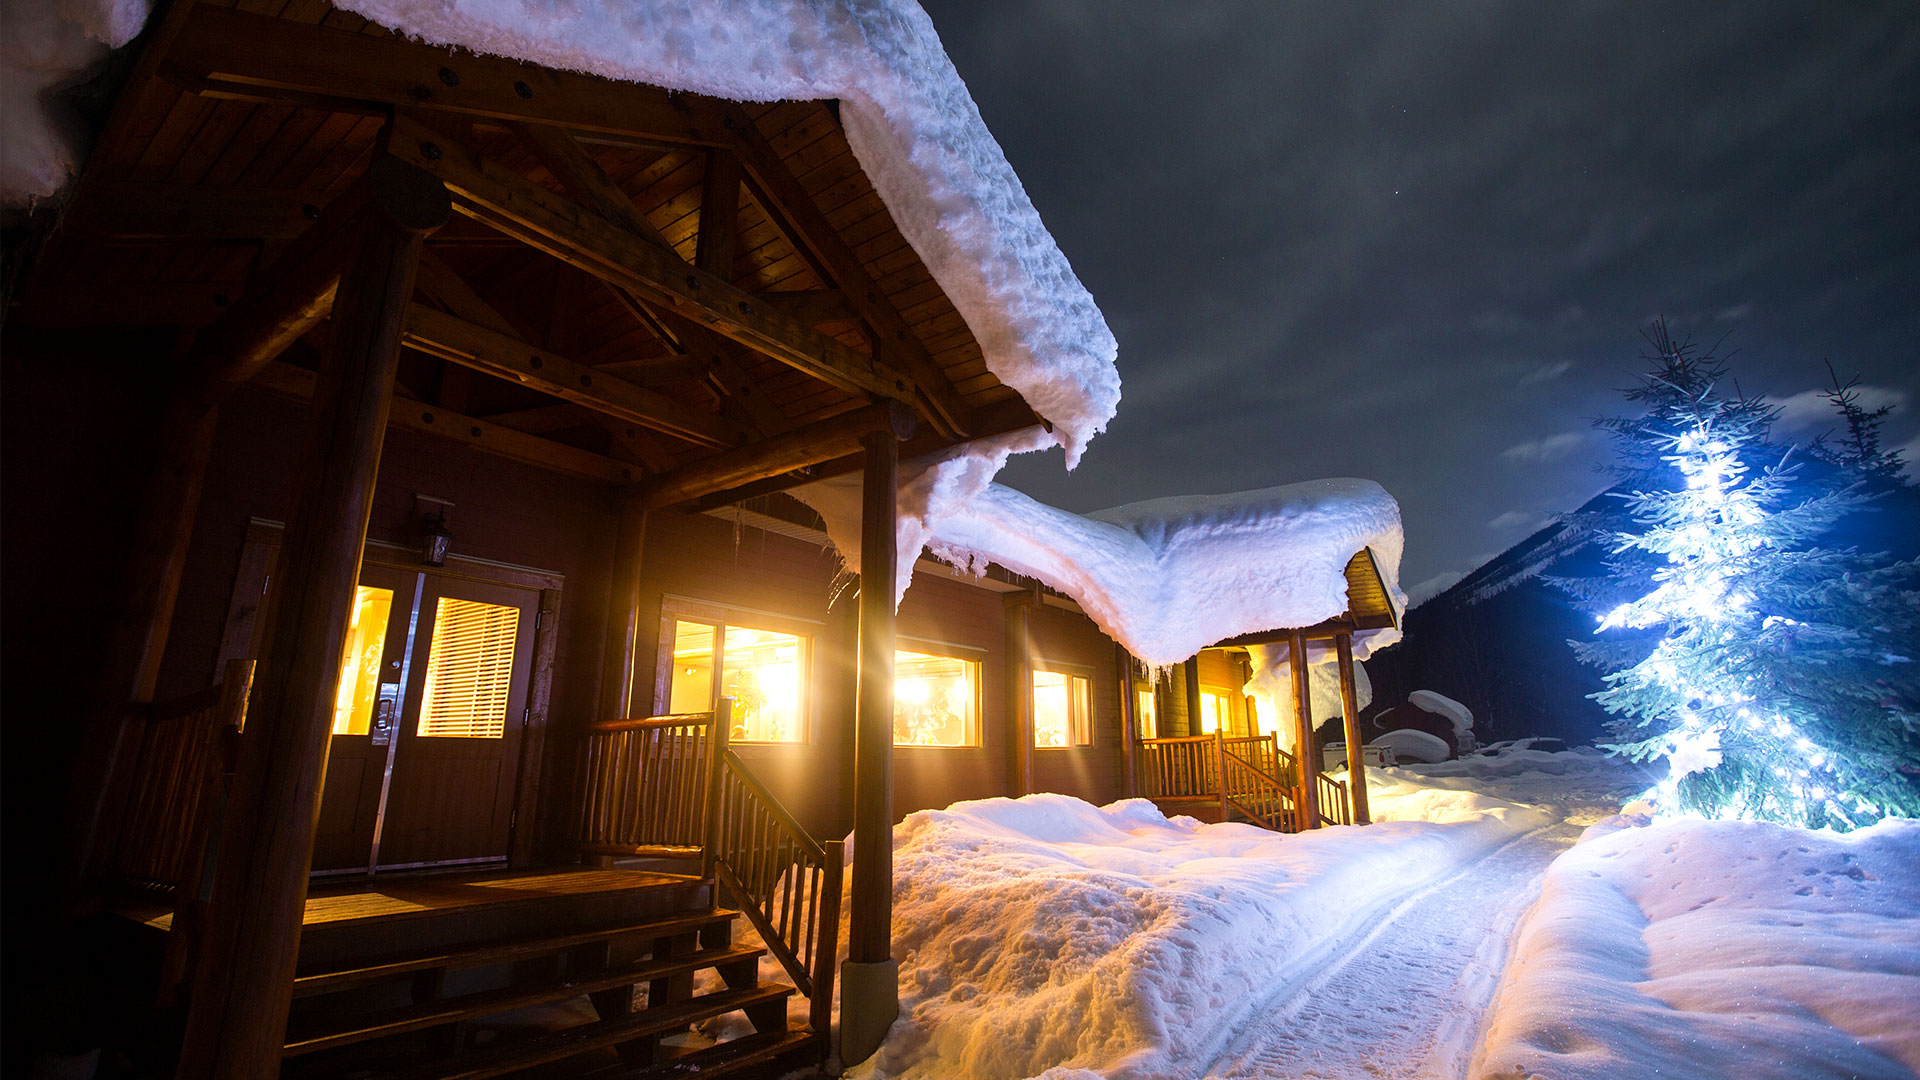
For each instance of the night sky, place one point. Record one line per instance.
(1419, 242)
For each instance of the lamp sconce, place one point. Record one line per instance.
(435, 539)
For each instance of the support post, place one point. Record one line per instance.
(623, 611)
(870, 981)
(1220, 767)
(1129, 722)
(1018, 612)
(1192, 671)
(244, 980)
(1303, 723)
(1350, 711)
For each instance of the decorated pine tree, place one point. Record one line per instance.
(1779, 678)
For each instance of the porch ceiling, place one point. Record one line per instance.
(638, 282)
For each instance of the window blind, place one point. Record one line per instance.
(469, 670)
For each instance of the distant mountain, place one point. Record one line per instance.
(1496, 640)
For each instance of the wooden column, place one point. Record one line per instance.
(870, 988)
(244, 981)
(1303, 723)
(1129, 722)
(1018, 612)
(617, 667)
(1192, 671)
(1350, 712)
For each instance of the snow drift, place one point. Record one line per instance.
(1715, 949)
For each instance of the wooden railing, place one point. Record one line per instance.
(1257, 793)
(1183, 766)
(787, 884)
(1335, 807)
(179, 782)
(649, 785)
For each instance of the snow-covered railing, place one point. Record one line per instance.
(786, 883)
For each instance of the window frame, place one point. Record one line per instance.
(1072, 671)
(679, 609)
(966, 654)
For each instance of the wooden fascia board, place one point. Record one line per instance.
(451, 338)
(256, 57)
(562, 228)
(297, 383)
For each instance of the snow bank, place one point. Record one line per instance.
(1713, 949)
(1047, 934)
(1583, 785)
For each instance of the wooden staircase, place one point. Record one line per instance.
(583, 972)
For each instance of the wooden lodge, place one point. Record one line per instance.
(413, 664)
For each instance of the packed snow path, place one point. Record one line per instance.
(1405, 998)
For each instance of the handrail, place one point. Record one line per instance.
(1256, 793)
(785, 882)
(1333, 796)
(648, 784)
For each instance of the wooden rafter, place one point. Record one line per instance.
(822, 440)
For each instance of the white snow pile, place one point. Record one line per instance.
(46, 45)
(1441, 705)
(1711, 949)
(1047, 934)
(1584, 785)
(908, 117)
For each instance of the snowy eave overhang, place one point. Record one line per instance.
(1369, 607)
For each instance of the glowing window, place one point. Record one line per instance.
(936, 700)
(1146, 715)
(1060, 710)
(1216, 712)
(469, 670)
(360, 661)
(763, 671)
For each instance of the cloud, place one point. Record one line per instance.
(1910, 454)
(1734, 313)
(1529, 519)
(1536, 451)
(1809, 410)
(1433, 586)
(1546, 372)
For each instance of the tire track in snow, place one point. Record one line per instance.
(1406, 998)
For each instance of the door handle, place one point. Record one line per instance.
(385, 711)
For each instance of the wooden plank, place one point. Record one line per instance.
(777, 456)
(495, 353)
(568, 231)
(256, 58)
(782, 195)
(297, 383)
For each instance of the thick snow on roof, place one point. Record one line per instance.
(1717, 949)
(1441, 705)
(907, 114)
(45, 45)
(1169, 577)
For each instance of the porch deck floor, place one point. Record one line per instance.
(399, 896)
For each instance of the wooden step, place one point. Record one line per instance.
(501, 952)
(661, 1020)
(732, 1056)
(487, 1003)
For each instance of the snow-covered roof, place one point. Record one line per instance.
(1166, 578)
(907, 115)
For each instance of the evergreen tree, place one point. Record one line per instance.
(1859, 450)
(1779, 678)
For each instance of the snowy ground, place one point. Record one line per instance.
(1047, 938)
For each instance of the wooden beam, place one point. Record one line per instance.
(870, 936)
(451, 338)
(483, 435)
(244, 981)
(617, 666)
(564, 229)
(719, 215)
(1309, 798)
(257, 58)
(782, 195)
(443, 284)
(777, 456)
(546, 419)
(128, 210)
(1017, 615)
(815, 307)
(1129, 721)
(1350, 713)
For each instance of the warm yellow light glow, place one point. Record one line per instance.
(360, 661)
(469, 670)
(1060, 710)
(936, 700)
(1216, 713)
(1146, 714)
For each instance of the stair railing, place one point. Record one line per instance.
(648, 785)
(787, 883)
(1256, 793)
(1335, 807)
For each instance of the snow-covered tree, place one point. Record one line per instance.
(1780, 679)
